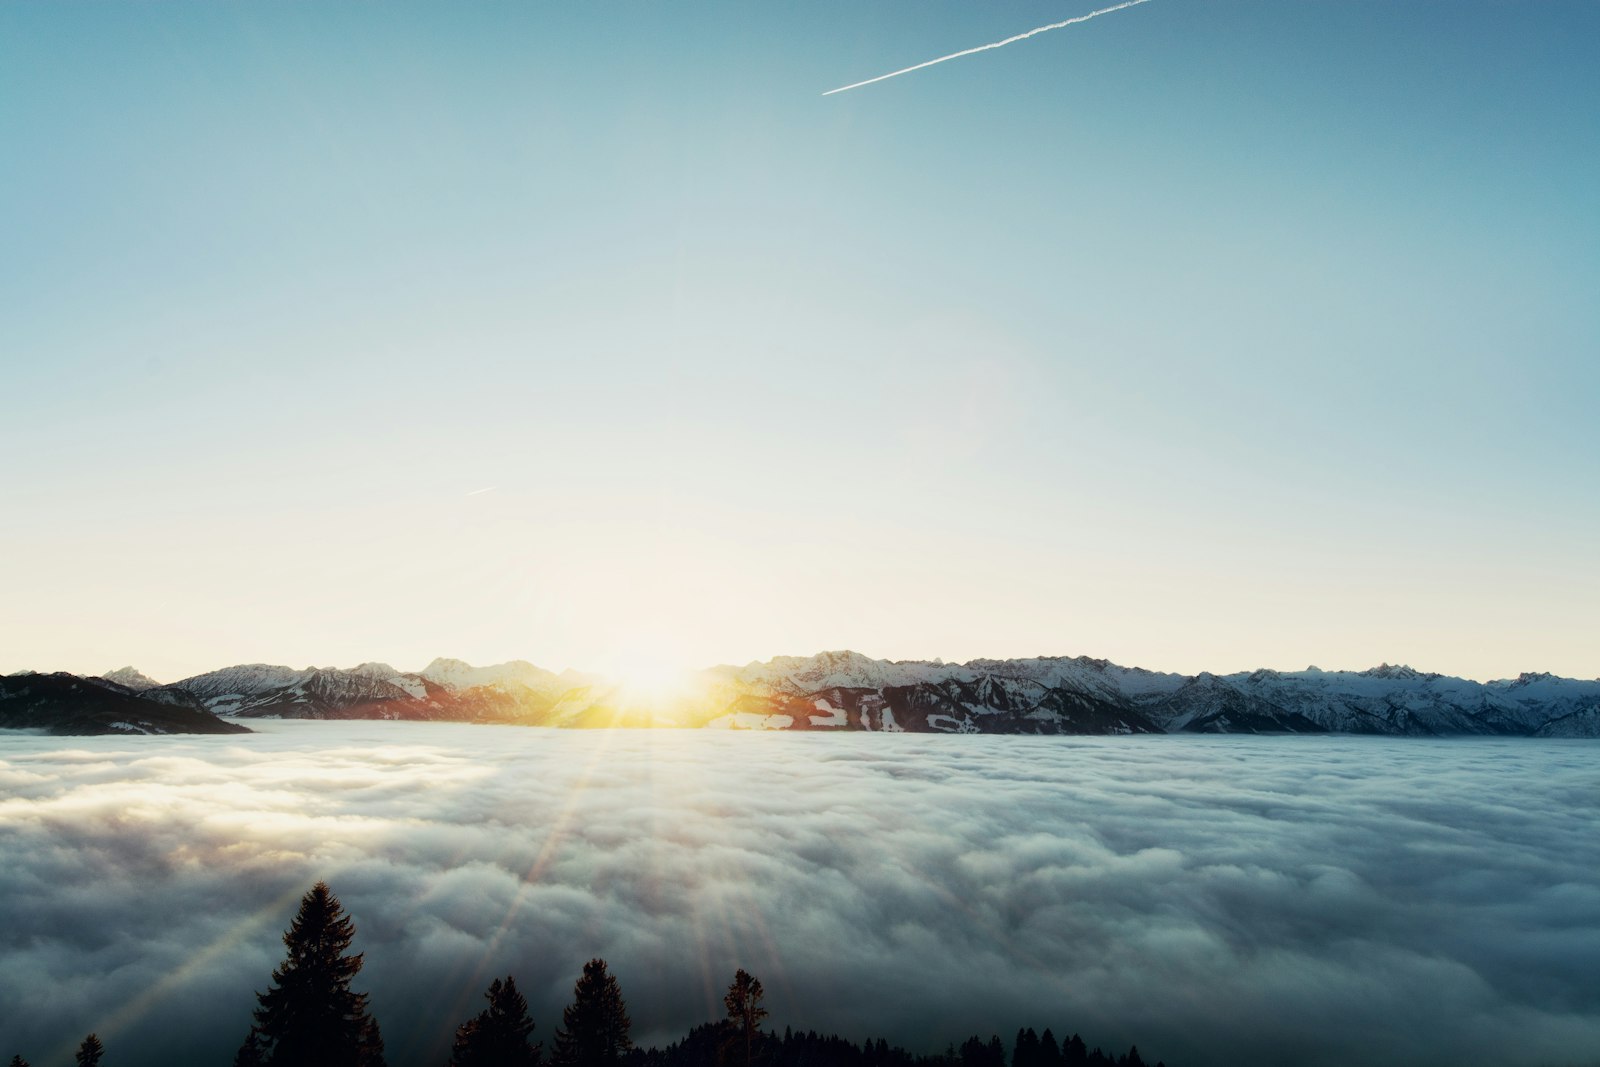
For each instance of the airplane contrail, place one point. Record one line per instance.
(986, 47)
(485, 489)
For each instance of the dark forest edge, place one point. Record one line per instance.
(310, 1017)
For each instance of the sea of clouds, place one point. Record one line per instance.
(1315, 900)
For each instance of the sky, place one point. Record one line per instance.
(1196, 336)
(1219, 901)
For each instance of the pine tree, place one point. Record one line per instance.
(90, 1051)
(498, 1036)
(744, 1018)
(249, 1054)
(18, 1061)
(1049, 1051)
(1025, 1053)
(310, 1017)
(594, 1027)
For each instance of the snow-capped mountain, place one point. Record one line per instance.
(445, 690)
(457, 675)
(370, 691)
(130, 678)
(63, 703)
(1084, 695)
(849, 691)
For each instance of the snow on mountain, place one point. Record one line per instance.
(1584, 723)
(1081, 694)
(382, 672)
(447, 690)
(456, 674)
(1400, 700)
(1536, 699)
(1209, 704)
(828, 670)
(843, 690)
(132, 679)
(227, 690)
(63, 703)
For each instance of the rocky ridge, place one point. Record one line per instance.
(846, 690)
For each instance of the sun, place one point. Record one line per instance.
(650, 678)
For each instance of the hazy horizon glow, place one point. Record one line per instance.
(1226, 336)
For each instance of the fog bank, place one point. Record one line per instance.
(1218, 900)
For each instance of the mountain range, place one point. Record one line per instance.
(829, 691)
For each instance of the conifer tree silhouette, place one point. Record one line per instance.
(1025, 1053)
(18, 1061)
(1049, 1051)
(594, 1027)
(744, 1018)
(89, 1053)
(498, 1035)
(310, 1017)
(249, 1054)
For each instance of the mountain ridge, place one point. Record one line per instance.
(846, 690)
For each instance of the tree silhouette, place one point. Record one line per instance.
(744, 1016)
(498, 1035)
(90, 1051)
(310, 1017)
(976, 1053)
(594, 1027)
(1025, 1053)
(18, 1061)
(249, 1054)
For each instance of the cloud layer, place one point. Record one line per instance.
(1234, 900)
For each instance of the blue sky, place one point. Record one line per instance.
(1196, 336)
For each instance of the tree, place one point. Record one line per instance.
(1025, 1053)
(744, 1015)
(594, 1027)
(310, 1017)
(90, 1051)
(18, 1061)
(1049, 1051)
(249, 1054)
(976, 1053)
(498, 1036)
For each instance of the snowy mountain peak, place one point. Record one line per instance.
(837, 669)
(131, 678)
(375, 670)
(457, 674)
(1395, 672)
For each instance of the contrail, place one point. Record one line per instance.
(986, 47)
(492, 488)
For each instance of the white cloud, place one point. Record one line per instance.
(1234, 900)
